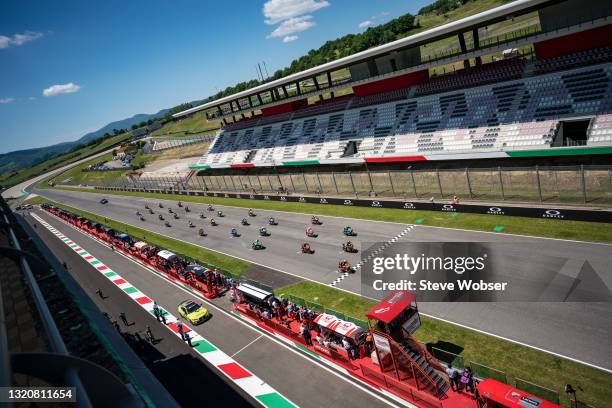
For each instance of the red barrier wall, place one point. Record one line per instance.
(284, 108)
(398, 82)
(596, 37)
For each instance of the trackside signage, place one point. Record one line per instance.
(516, 211)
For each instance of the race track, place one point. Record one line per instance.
(576, 330)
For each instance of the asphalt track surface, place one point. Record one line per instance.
(579, 331)
(297, 377)
(18, 190)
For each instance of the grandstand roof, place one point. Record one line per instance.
(488, 16)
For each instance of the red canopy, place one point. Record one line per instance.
(392, 305)
(511, 397)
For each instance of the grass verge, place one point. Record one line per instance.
(516, 360)
(205, 256)
(576, 230)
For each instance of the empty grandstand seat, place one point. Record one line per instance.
(573, 60)
(518, 114)
(497, 71)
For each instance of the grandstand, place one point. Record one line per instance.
(546, 92)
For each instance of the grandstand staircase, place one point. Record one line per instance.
(416, 365)
(249, 157)
(530, 69)
(351, 148)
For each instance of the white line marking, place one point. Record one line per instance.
(260, 336)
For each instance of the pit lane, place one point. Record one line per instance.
(304, 382)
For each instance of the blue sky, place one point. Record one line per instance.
(108, 60)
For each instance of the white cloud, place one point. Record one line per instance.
(6, 100)
(276, 11)
(293, 25)
(370, 22)
(60, 89)
(290, 38)
(18, 39)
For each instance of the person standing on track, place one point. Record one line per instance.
(123, 318)
(99, 293)
(149, 335)
(179, 328)
(156, 311)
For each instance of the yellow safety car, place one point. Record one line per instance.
(193, 312)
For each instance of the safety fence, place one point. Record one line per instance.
(537, 390)
(560, 184)
(484, 372)
(448, 358)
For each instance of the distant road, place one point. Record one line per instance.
(18, 190)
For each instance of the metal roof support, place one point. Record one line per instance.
(297, 85)
(476, 41)
(316, 83)
(466, 63)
